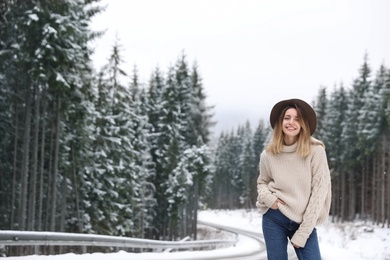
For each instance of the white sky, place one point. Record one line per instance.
(250, 53)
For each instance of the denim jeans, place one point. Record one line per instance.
(278, 229)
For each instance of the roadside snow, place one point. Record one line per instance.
(338, 241)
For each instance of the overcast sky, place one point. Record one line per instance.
(250, 53)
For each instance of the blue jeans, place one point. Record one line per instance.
(277, 228)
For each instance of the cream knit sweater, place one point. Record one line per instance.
(303, 183)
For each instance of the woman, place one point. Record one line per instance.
(293, 186)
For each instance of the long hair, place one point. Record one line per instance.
(304, 141)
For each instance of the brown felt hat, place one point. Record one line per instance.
(307, 111)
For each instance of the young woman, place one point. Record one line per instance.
(294, 187)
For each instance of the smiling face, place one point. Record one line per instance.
(291, 126)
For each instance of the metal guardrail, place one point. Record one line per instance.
(32, 238)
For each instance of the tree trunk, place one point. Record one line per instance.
(49, 178)
(343, 195)
(33, 195)
(388, 194)
(352, 195)
(196, 203)
(55, 166)
(25, 161)
(373, 196)
(64, 191)
(336, 195)
(363, 190)
(76, 194)
(383, 194)
(41, 168)
(382, 175)
(14, 171)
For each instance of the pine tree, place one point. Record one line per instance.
(113, 184)
(46, 47)
(180, 122)
(219, 196)
(320, 108)
(385, 91)
(144, 201)
(202, 113)
(352, 153)
(375, 137)
(247, 165)
(335, 117)
(259, 142)
(165, 146)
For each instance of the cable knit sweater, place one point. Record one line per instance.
(303, 183)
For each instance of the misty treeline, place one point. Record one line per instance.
(84, 152)
(354, 124)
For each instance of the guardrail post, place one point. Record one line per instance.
(170, 249)
(2, 251)
(36, 250)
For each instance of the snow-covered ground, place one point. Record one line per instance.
(338, 241)
(357, 241)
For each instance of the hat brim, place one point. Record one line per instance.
(307, 111)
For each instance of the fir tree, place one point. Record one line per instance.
(144, 202)
(113, 178)
(320, 108)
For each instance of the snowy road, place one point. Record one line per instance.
(256, 253)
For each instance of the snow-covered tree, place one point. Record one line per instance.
(46, 63)
(320, 107)
(116, 178)
(144, 201)
(335, 116)
(180, 120)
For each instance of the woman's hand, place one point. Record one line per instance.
(294, 245)
(275, 205)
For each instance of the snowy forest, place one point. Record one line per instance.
(82, 152)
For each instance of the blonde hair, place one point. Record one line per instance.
(305, 141)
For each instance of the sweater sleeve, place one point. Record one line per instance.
(265, 196)
(320, 188)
